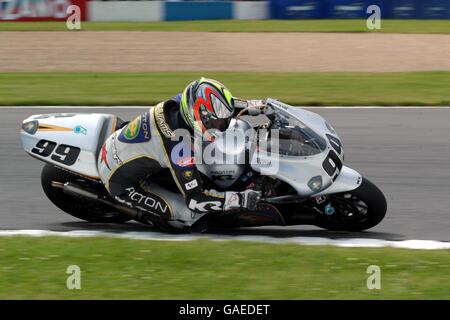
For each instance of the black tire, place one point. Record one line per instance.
(77, 207)
(369, 195)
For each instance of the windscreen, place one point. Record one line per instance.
(294, 137)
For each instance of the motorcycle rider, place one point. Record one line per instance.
(133, 154)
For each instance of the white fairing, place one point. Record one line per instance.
(300, 171)
(70, 141)
(347, 180)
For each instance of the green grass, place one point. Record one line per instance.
(343, 25)
(35, 268)
(418, 88)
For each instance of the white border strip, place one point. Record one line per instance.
(74, 107)
(145, 107)
(309, 241)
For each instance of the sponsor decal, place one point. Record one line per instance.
(132, 129)
(161, 121)
(80, 130)
(50, 127)
(230, 172)
(30, 127)
(191, 185)
(187, 174)
(137, 131)
(153, 202)
(320, 199)
(205, 206)
(114, 150)
(222, 177)
(186, 162)
(39, 10)
(329, 210)
(104, 158)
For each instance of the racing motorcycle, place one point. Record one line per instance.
(309, 186)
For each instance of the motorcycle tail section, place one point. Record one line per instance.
(70, 141)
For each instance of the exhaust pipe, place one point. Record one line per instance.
(74, 190)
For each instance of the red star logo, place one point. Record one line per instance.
(103, 157)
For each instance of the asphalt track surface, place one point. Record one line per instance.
(405, 151)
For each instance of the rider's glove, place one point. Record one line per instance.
(247, 199)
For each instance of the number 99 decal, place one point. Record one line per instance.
(63, 154)
(332, 163)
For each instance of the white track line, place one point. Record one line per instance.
(144, 107)
(157, 236)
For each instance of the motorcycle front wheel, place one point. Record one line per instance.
(356, 210)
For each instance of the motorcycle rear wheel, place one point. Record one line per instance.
(356, 210)
(75, 206)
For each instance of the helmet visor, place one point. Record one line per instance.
(212, 122)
